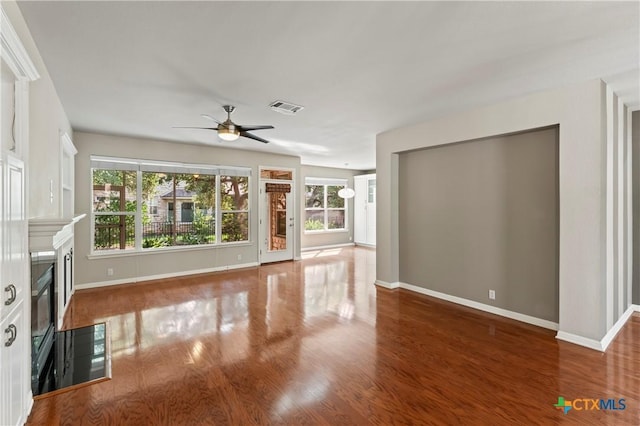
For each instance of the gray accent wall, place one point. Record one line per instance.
(635, 149)
(483, 215)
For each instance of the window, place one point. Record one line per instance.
(234, 203)
(324, 209)
(141, 205)
(114, 208)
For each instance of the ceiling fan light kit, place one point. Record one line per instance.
(230, 131)
(227, 134)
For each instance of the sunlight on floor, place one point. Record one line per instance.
(321, 253)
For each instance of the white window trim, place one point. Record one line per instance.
(317, 181)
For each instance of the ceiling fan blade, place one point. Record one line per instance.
(254, 137)
(187, 127)
(209, 117)
(251, 128)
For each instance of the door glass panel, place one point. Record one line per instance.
(371, 192)
(277, 221)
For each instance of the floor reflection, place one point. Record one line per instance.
(139, 330)
(314, 342)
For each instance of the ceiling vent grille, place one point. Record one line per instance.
(285, 107)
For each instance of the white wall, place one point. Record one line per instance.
(580, 111)
(47, 119)
(330, 238)
(92, 270)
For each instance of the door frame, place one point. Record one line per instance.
(263, 210)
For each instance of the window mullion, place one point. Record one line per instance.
(138, 219)
(217, 213)
(326, 209)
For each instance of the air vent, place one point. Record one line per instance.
(285, 107)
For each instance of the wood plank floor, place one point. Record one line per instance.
(314, 342)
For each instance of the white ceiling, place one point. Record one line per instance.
(358, 68)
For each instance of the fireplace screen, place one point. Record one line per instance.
(41, 318)
(43, 273)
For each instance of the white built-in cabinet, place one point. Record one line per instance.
(364, 214)
(15, 349)
(15, 304)
(67, 166)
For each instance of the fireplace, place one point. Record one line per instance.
(43, 315)
(51, 247)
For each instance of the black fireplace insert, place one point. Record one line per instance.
(43, 277)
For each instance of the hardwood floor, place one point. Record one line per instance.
(314, 342)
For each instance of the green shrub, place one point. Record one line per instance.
(313, 225)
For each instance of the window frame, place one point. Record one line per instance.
(220, 210)
(325, 183)
(142, 166)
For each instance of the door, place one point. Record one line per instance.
(360, 210)
(364, 230)
(14, 365)
(371, 210)
(276, 221)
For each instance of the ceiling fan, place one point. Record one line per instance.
(230, 131)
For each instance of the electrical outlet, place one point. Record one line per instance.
(492, 294)
(109, 272)
(239, 257)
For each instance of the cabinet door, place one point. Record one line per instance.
(371, 211)
(13, 370)
(14, 241)
(360, 210)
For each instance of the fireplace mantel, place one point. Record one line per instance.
(51, 234)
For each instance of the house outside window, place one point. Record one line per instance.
(140, 205)
(325, 211)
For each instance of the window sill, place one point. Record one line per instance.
(163, 250)
(328, 231)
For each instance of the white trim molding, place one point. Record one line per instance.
(14, 53)
(482, 307)
(603, 344)
(163, 276)
(385, 284)
(613, 331)
(579, 340)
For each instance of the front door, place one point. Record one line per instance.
(276, 221)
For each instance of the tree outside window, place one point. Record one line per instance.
(234, 204)
(170, 209)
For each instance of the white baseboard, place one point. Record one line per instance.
(579, 340)
(602, 344)
(366, 245)
(611, 334)
(482, 307)
(385, 284)
(162, 276)
(331, 246)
